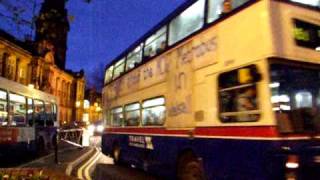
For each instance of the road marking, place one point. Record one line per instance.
(80, 170)
(44, 157)
(77, 161)
(87, 169)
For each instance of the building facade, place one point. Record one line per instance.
(92, 106)
(52, 25)
(18, 62)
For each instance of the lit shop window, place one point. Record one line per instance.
(153, 112)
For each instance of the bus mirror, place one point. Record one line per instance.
(244, 75)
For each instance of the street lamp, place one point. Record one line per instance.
(78, 103)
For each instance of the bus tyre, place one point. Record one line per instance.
(189, 168)
(116, 152)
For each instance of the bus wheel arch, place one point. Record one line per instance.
(189, 166)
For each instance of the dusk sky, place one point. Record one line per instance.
(103, 29)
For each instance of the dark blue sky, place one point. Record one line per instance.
(100, 31)
(103, 29)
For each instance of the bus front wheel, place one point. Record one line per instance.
(116, 152)
(189, 168)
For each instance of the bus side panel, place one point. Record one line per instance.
(221, 158)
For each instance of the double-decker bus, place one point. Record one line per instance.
(28, 121)
(220, 89)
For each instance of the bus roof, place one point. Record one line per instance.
(176, 12)
(21, 89)
(162, 23)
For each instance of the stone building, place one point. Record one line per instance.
(92, 106)
(19, 62)
(52, 26)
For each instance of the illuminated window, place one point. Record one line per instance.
(30, 111)
(49, 113)
(39, 112)
(117, 116)
(187, 22)
(3, 109)
(118, 68)
(303, 99)
(315, 3)
(132, 114)
(238, 98)
(134, 58)
(156, 43)
(216, 8)
(108, 75)
(54, 113)
(153, 112)
(86, 104)
(296, 100)
(18, 106)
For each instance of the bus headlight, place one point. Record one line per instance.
(99, 128)
(91, 129)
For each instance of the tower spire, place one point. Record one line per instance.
(52, 27)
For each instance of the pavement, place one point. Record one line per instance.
(87, 163)
(66, 157)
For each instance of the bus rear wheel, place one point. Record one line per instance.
(116, 153)
(189, 168)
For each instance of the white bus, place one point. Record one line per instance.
(28, 120)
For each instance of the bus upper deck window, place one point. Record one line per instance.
(134, 58)
(156, 43)
(3, 109)
(118, 68)
(217, 8)
(189, 21)
(108, 76)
